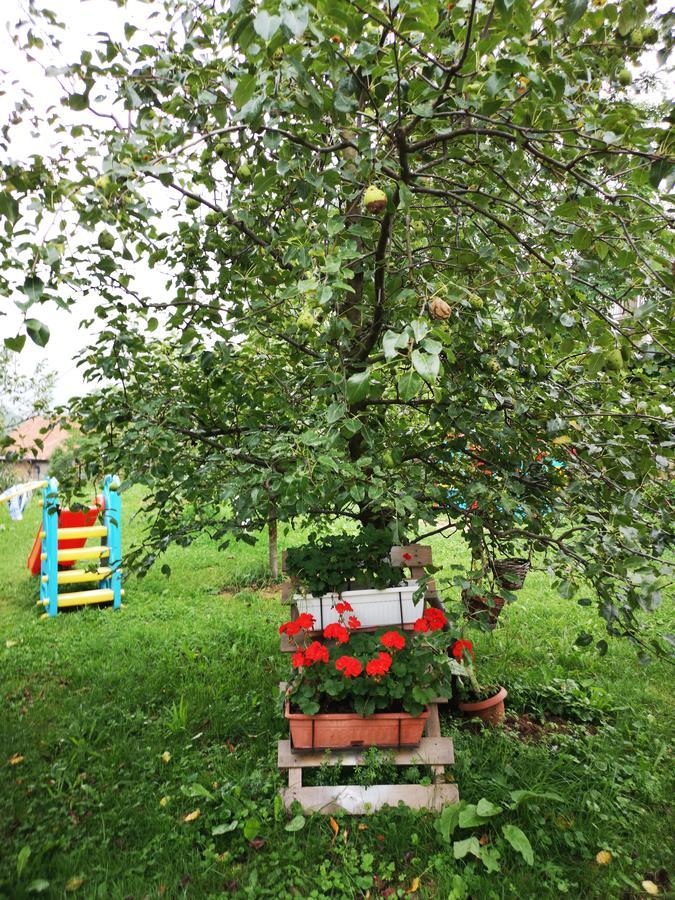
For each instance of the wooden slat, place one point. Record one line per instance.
(359, 801)
(431, 751)
(419, 556)
(295, 778)
(287, 646)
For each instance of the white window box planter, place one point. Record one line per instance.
(392, 606)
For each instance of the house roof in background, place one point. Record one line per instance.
(50, 431)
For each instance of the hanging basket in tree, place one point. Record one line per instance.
(510, 572)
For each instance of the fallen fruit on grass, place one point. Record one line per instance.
(166, 757)
(374, 199)
(193, 816)
(603, 858)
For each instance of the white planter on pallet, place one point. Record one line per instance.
(392, 606)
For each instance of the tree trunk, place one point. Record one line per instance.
(273, 556)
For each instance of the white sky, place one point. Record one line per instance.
(83, 18)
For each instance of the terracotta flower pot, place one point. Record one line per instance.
(341, 731)
(491, 711)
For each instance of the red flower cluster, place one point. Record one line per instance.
(380, 666)
(337, 632)
(432, 620)
(304, 622)
(349, 666)
(406, 556)
(315, 653)
(459, 647)
(343, 607)
(353, 622)
(393, 639)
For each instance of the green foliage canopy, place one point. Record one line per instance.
(509, 306)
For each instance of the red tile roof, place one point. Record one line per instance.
(50, 431)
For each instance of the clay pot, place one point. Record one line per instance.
(490, 711)
(345, 731)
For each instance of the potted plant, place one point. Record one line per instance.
(360, 689)
(485, 702)
(356, 568)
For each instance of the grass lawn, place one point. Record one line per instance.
(128, 722)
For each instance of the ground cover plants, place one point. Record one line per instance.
(138, 751)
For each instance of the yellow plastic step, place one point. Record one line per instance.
(80, 553)
(79, 598)
(79, 576)
(81, 531)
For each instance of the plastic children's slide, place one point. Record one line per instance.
(67, 519)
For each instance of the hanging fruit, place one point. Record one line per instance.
(439, 309)
(374, 199)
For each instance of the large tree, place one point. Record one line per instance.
(432, 357)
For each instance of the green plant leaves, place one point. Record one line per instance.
(266, 25)
(297, 823)
(37, 332)
(519, 842)
(462, 848)
(358, 386)
(409, 385)
(427, 365)
(574, 10)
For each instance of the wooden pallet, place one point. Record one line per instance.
(434, 751)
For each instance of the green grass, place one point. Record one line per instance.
(93, 699)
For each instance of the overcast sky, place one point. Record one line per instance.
(83, 18)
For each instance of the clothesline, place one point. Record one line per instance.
(18, 489)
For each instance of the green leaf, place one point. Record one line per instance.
(33, 288)
(296, 824)
(409, 385)
(251, 828)
(22, 859)
(244, 90)
(469, 845)
(427, 365)
(490, 857)
(448, 821)
(9, 208)
(469, 818)
(486, 808)
(266, 25)
(420, 329)
(225, 828)
(358, 386)
(295, 20)
(391, 342)
(37, 332)
(15, 343)
(78, 102)
(38, 886)
(519, 842)
(574, 10)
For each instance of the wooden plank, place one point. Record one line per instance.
(283, 561)
(295, 778)
(431, 751)
(287, 591)
(359, 801)
(433, 726)
(411, 555)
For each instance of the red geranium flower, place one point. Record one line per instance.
(315, 653)
(435, 618)
(380, 666)
(290, 628)
(393, 639)
(353, 622)
(343, 607)
(298, 659)
(336, 631)
(421, 625)
(349, 666)
(459, 647)
(306, 621)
